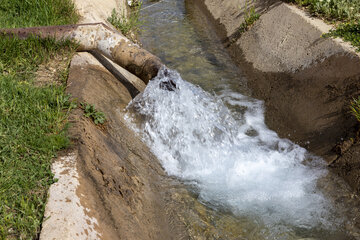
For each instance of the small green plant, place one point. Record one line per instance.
(127, 24)
(67, 103)
(350, 32)
(250, 16)
(135, 3)
(91, 112)
(355, 108)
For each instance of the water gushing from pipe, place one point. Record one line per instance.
(233, 159)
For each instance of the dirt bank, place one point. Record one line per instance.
(306, 81)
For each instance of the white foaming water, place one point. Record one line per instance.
(233, 158)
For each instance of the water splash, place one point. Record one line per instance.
(231, 156)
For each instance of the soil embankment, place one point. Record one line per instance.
(306, 81)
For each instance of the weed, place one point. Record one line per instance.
(250, 16)
(91, 112)
(355, 108)
(127, 24)
(350, 32)
(134, 3)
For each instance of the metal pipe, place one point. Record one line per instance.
(100, 37)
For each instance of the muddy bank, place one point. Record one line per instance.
(306, 81)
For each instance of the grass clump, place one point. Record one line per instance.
(29, 13)
(127, 24)
(91, 112)
(249, 18)
(350, 32)
(355, 108)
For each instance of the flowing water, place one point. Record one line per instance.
(211, 135)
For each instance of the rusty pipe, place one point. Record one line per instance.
(100, 37)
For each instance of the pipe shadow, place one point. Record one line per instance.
(118, 75)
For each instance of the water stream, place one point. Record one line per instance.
(210, 134)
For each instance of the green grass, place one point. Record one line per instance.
(333, 9)
(32, 129)
(127, 24)
(29, 13)
(33, 120)
(344, 14)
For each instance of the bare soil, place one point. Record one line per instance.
(53, 71)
